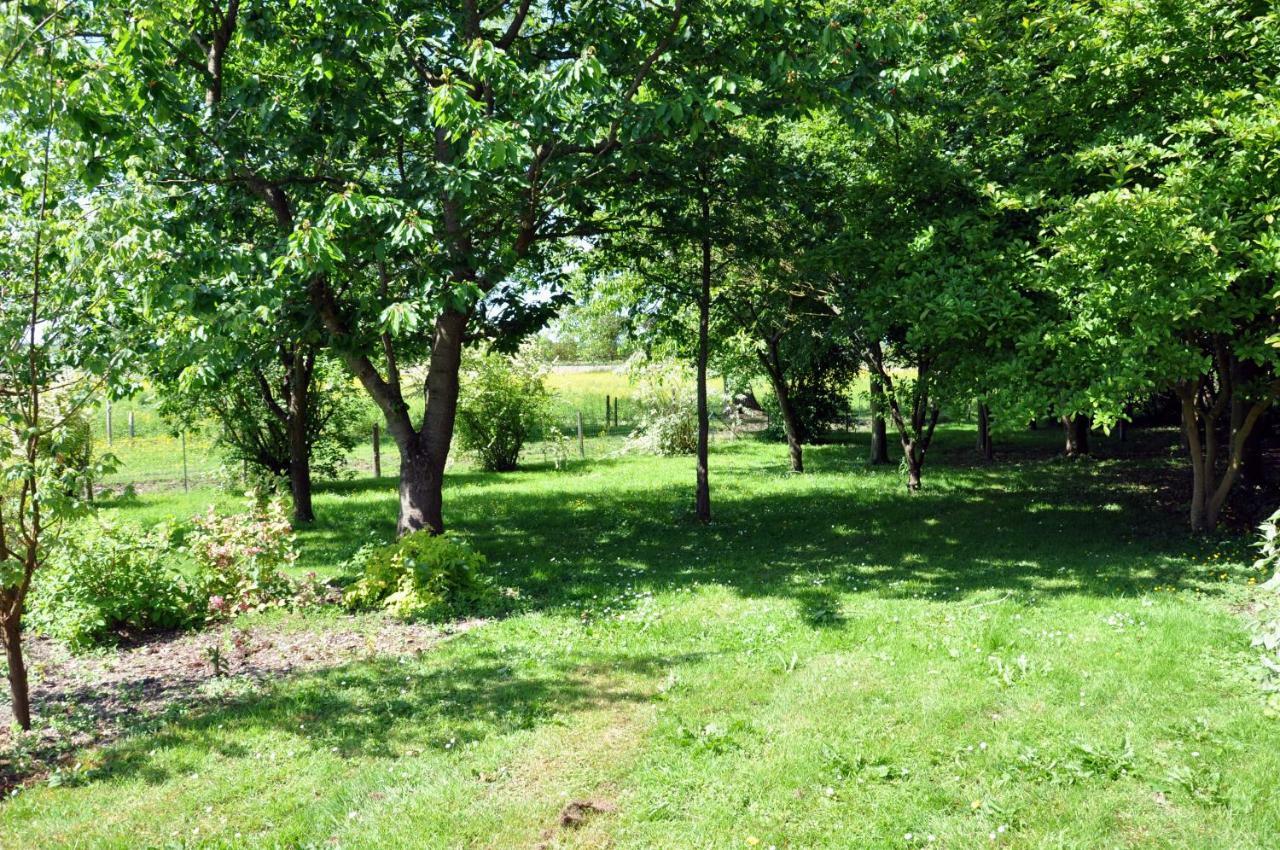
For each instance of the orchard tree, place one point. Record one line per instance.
(58, 305)
(415, 158)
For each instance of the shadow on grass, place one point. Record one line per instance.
(384, 709)
(606, 532)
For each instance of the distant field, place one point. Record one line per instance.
(153, 457)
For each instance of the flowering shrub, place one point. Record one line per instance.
(109, 582)
(240, 558)
(421, 577)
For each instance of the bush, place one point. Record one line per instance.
(113, 581)
(239, 558)
(422, 577)
(667, 410)
(503, 402)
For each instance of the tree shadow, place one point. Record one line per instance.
(610, 532)
(384, 708)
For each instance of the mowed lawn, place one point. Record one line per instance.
(1027, 654)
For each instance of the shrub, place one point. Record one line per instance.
(239, 558)
(1266, 611)
(421, 577)
(667, 410)
(504, 401)
(112, 581)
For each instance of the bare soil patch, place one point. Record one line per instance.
(91, 700)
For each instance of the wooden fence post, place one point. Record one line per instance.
(186, 485)
(582, 445)
(377, 452)
(108, 420)
(131, 428)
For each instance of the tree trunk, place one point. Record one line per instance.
(297, 427)
(879, 428)
(421, 491)
(1077, 434)
(18, 685)
(423, 454)
(914, 464)
(984, 433)
(1191, 431)
(702, 498)
(790, 423)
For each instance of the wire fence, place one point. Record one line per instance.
(150, 454)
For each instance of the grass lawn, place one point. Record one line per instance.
(1029, 654)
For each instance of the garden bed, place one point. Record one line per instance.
(91, 700)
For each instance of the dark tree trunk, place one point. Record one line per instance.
(423, 454)
(19, 688)
(421, 491)
(984, 433)
(1201, 415)
(879, 428)
(1076, 429)
(297, 426)
(1122, 430)
(702, 498)
(914, 465)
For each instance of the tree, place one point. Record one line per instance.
(58, 303)
(415, 159)
(257, 406)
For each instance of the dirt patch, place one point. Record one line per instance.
(575, 815)
(82, 701)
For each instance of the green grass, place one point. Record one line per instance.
(152, 459)
(831, 664)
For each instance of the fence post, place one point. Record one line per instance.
(377, 452)
(582, 445)
(606, 410)
(108, 420)
(131, 431)
(186, 485)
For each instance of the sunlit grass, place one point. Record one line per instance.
(1005, 660)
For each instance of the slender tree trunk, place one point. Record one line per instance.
(914, 465)
(19, 688)
(790, 422)
(297, 427)
(1077, 434)
(702, 498)
(984, 433)
(879, 428)
(1191, 431)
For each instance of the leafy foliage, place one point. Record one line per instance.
(504, 402)
(422, 577)
(113, 581)
(667, 418)
(240, 559)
